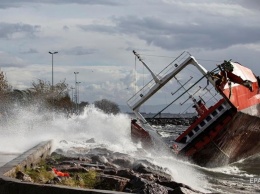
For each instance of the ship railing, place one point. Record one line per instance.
(169, 68)
(220, 110)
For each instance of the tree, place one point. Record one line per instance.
(107, 106)
(5, 89)
(4, 86)
(45, 90)
(82, 105)
(64, 104)
(42, 92)
(56, 96)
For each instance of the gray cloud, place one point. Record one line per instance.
(11, 65)
(17, 3)
(168, 24)
(89, 2)
(65, 28)
(250, 4)
(30, 51)
(7, 30)
(79, 50)
(206, 34)
(5, 5)
(7, 60)
(99, 28)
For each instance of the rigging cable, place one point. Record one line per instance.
(135, 77)
(175, 57)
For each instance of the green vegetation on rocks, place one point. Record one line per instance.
(44, 174)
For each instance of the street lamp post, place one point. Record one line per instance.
(78, 96)
(72, 93)
(76, 91)
(52, 53)
(72, 97)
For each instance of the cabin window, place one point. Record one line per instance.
(208, 118)
(196, 129)
(202, 123)
(183, 140)
(191, 134)
(220, 108)
(214, 113)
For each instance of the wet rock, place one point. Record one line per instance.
(120, 172)
(127, 173)
(123, 162)
(177, 186)
(90, 165)
(73, 169)
(78, 150)
(64, 141)
(144, 166)
(51, 161)
(84, 159)
(57, 180)
(78, 178)
(110, 171)
(140, 167)
(73, 152)
(70, 163)
(100, 151)
(49, 182)
(149, 177)
(182, 190)
(58, 152)
(92, 140)
(171, 184)
(99, 159)
(23, 177)
(143, 186)
(120, 155)
(111, 182)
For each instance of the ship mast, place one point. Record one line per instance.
(156, 84)
(153, 75)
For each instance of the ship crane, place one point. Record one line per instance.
(156, 84)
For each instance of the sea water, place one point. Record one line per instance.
(23, 128)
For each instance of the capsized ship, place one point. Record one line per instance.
(223, 122)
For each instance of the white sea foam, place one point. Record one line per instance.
(27, 127)
(228, 170)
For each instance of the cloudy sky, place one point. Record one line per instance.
(96, 39)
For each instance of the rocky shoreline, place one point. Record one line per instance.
(113, 171)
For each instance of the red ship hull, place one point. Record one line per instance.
(238, 140)
(222, 132)
(232, 136)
